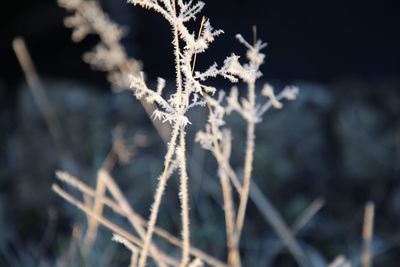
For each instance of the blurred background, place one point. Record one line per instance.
(339, 141)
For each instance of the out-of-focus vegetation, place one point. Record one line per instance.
(333, 142)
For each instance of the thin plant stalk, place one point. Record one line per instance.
(183, 191)
(248, 165)
(124, 204)
(86, 190)
(38, 91)
(162, 182)
(113, 227)
(93, 225)
(183, 188)
(233, 252)
(272, 216)
(98, 206)
(229, 209)
(366, 255)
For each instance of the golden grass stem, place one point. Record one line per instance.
(248, 166)
(76, 183)
(233, 253)
(203, 20)
(98, 205)
(229, 208)
(108, 224)
(308, 214)
(368, 228)
(184, 198)
(91, 232)
(38, 92)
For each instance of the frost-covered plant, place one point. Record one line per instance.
(191, 90)
(217, 138)
(108, 55)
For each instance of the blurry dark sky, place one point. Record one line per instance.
(311, 40)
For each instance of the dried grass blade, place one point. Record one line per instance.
(366, 255)
(113, 227)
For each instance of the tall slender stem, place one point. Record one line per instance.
(366, 254)
(229, 209)
(233, 253)
(158, 196)
(248, 165)
(183, 188)
(184, 198)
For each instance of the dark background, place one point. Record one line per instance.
(339, 141)
(309, 40)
